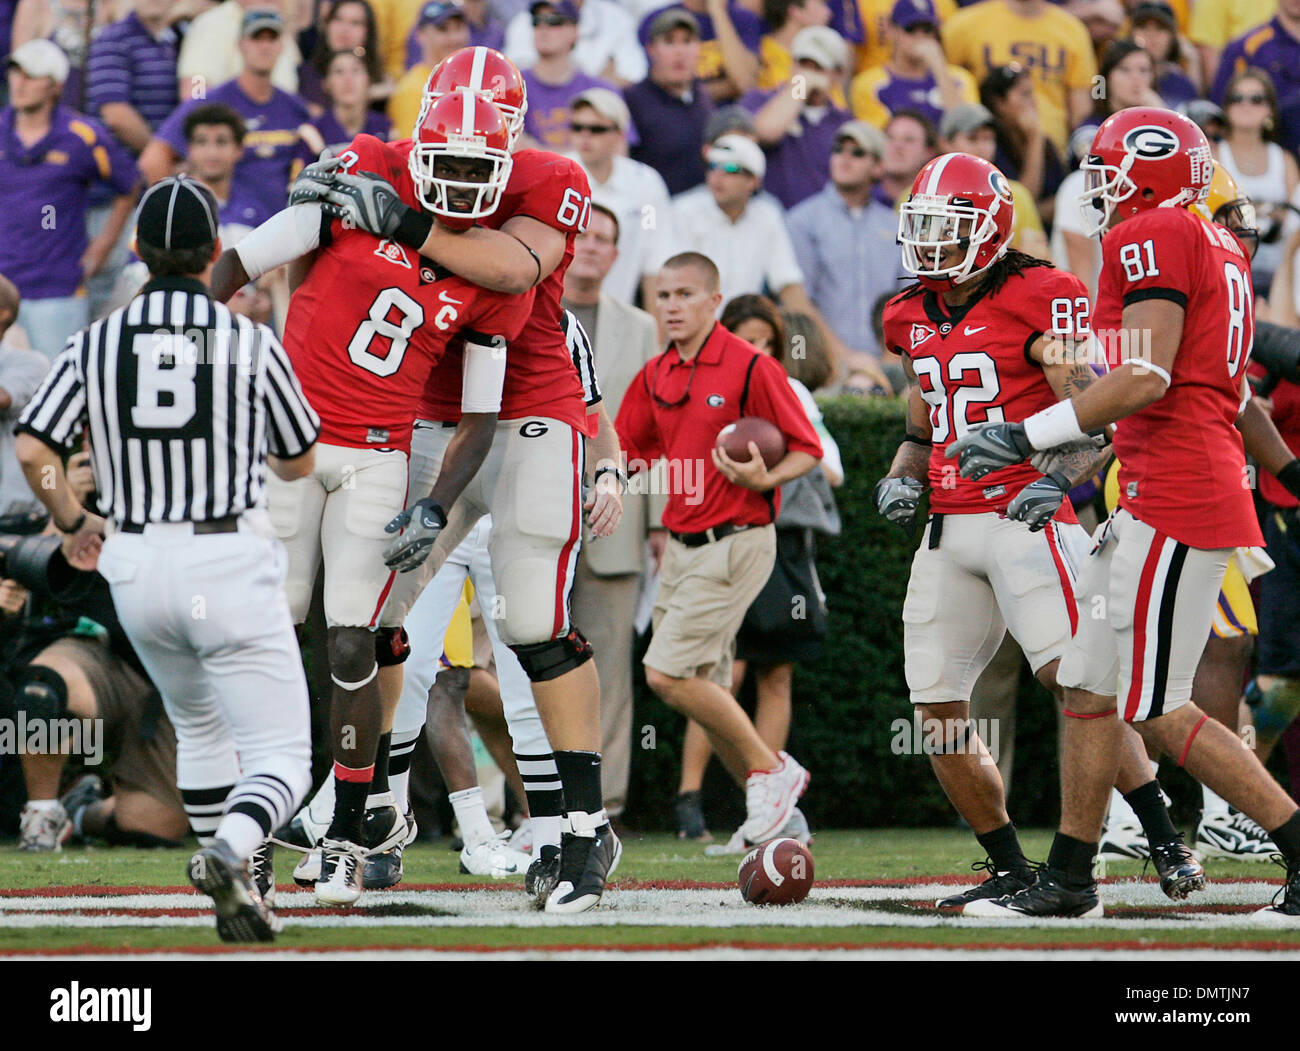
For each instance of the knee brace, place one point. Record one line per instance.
(41, 693)
(543, 661)
(392, 647)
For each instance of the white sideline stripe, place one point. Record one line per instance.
(644, 908)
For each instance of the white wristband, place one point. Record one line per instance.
(1054, 426)
(1142, 363)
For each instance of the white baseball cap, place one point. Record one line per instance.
(609, 104)
(740, 151)
(41, 58)
(820, 44)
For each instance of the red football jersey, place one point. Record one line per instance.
(1182, 465)
(541, 379)
(372, 318)
(972, 366)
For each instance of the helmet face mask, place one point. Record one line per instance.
(1104, 186)
(460, 158)
(957, 222)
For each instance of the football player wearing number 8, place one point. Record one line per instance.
(366, 328)
(1148, 594)
(990, 334)
(532, 481)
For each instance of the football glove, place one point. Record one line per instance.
(314, 181)
(419, 525)
(1038, 501)
(896, 498)
(990, 447)
(368, 201)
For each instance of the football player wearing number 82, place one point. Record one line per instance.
(1156, 568)
(988, 334)
(366, 328)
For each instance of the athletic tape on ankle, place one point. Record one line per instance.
(1089, 715)
(1190, 738)
(355, 685)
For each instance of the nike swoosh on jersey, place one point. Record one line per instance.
(968, 331)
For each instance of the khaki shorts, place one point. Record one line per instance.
(339, 513)
(143, 750)
(703, 595)
(531, 485)
(988, 574)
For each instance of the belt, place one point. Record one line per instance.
(709, 536)
(229, 524)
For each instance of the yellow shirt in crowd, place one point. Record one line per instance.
(1053, 45)
(404, 103)
(874, 49)
(1216, 22)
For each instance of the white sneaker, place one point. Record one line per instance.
(307, 871)
(1233, 835)
(494, 857)
(1122, 842)
(795, 828)
(43, 829)
(521, 839)
(770, 798)
(340, 872)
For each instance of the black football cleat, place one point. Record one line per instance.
(543, 874)
(586, 862)
(1179, 871)
(690, 818)
(1046, 898)
(383, 870)
(998, 885)
(382, 827)
(261, 868)
(242, 915)
(1286, 903)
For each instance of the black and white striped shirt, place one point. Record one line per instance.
(584, 358)
(183, 400)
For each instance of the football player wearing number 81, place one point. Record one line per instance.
(990, 334)
(1158, 562)
(366, 328)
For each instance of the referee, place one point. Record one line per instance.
(183, 401)
(722, 544)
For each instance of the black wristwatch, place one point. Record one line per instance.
(622, 478)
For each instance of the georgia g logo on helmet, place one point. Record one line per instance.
(1149, 142)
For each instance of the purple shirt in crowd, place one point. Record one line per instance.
(547, 119)
(799, 165)
(271, 144)
(334, 134)
(43, 195)
(492, 34)
(1271, 48)
(128, 64)
(749, 27)
(921, 94)
(672, 131)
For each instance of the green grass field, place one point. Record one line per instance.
(670, 895)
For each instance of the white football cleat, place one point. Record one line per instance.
(340, 872)
(307, 871)
(1233, 835)
(770, 798)
(43, 829)
(1124, 842)
(494, 857)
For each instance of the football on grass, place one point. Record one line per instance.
(734, 440)
(779, 872)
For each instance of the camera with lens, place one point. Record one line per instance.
(36, 562)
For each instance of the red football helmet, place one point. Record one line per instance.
(958, 202)
(1143, 158)
(484, 72)
(457, 128)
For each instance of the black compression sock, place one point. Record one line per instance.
(1003, 846)
(580, 778)
(1072, 860)
(1287, 838)
(379, 783)
(1149, 806)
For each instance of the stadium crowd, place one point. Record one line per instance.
(776, 137)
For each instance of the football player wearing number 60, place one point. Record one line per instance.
(366, 328)
(1153, 577)
(989, 334)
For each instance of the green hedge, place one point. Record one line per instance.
(846, 703)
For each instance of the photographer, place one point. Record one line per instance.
(68, 659)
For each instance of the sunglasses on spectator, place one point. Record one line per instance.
(845, 146)
(730, 167)
(922, 27)
(551, 20)
(594, 129)
(1254, 100)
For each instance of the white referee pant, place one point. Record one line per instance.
(427, 624)
(208, 617)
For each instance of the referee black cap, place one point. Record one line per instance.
(176, 214)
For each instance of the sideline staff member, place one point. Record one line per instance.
(180, 435)
(721, 544)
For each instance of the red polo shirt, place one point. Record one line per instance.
(727, 379)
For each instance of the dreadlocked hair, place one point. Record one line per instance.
(1014, 262)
